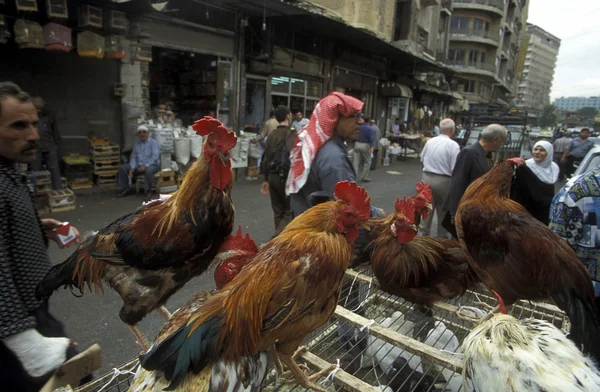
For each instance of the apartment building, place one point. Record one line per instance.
(576, 103)
(484, 47)
(539, 60)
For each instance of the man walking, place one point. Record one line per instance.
(376, 145)
(472, 162)
(144, 160)
(276, 165)
(576, 150)
(438, 158)
(363, 148)
(299, 121)
(48, 151)
(32, 341)
(560, 145)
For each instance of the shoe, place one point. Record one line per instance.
(366, 180)
(148, 195)
(124, 193)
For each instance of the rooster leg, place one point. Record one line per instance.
(300, 378)
(141, 339)
(276, 360)
(164, 312)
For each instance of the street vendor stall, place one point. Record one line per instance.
(404, 142)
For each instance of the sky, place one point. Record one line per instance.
(576, 23)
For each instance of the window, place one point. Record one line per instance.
(457, 55)
(478, 26)
(459, 24)
(482, 57)
(470, 86)
(473, 57)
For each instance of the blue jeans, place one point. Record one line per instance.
(123, 177)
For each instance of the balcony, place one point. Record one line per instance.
(495, 7)
(441, 55)
(472, 35)
(483, 69)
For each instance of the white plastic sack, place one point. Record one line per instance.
(182, 150)
(164, 137)
(196, 145)
(254, 151)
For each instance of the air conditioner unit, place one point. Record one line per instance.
(90, 16)
(57, 9)
(26, 5)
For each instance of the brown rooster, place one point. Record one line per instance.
(247, 374)
(288, 290)
(419, 269)
(422, 200)
(147, 255)
(520, 258)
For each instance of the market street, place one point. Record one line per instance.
(95, 318)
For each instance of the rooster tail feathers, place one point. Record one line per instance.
(188, 347)
(77, 270)
(584, 318)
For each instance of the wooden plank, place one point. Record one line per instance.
(342, 378)
(413, 346)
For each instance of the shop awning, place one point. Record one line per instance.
(395, 90)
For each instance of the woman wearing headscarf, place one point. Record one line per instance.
(319, 159)
(533, 185)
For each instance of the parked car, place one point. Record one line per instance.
(590, 161)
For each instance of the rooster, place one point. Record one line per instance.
(422, 201)
(526, 355)
(290, 288)
(235, 252)
(147, 255)
(246, 375)
(519, 257)
(419, 269)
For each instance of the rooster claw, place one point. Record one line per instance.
(301, 350)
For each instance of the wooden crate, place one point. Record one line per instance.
(102, 151)
(41, 203)
(106, 180)
(106, 166)
(165, 178)
(79, 172)
(63, 200)
(81, 184)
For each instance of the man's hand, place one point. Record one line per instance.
(130, 172)
(142, 168)
(452, 220)
(254, 140)
(264, 189)
(50, 225)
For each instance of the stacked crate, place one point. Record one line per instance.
(106, 159)
(78, 171)
(40, 184)
(63, 200)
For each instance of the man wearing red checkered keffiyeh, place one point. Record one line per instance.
(320, 159)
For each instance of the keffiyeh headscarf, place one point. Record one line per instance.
(319, 129)
(547, 171)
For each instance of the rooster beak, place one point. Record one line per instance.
(365, 226)
(429, 206)
(413, 227)
(223, 158)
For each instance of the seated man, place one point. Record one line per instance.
(145, 159)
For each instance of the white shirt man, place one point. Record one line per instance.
(438, 158)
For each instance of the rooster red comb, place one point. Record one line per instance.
(355, 196)
(516, 161)
(208, 125)
(500, 302)
(425, 190)
(406, 206)
(239, 242)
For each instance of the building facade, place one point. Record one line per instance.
(539, 61)
(484, 46)
(576, 103)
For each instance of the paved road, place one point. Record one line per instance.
(94, 318)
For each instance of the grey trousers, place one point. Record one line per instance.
(362, 158)
(439, 187)
(123, 177)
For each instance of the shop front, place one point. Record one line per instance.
(358, 85)
(398, 97)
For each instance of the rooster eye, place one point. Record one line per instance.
(348, 214)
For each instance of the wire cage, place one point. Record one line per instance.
(381, 342)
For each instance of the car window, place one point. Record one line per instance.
(594, 163)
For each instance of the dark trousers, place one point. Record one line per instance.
(123, 176)
(569, 168)
(49, 159)
(374, 160)
(12, 375)
(561, 166)
(280, 202)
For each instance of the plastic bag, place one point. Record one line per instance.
(182, 150)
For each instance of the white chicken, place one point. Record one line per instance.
(506, 354)
(442, 338)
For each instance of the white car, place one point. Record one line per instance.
(590, 161)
